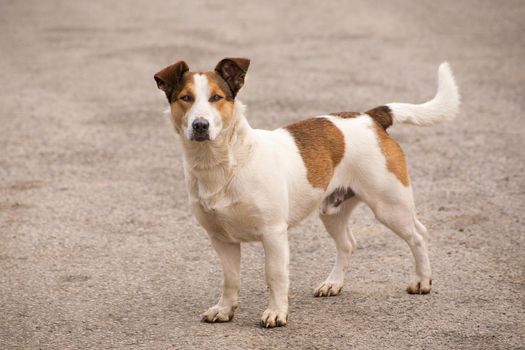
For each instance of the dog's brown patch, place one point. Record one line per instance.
(219, 85)
(170, 79)
(382, 115)
(395, 159)
(233, 71)
(322, 147)
(346, 114)
(225, 105)
(179, 107)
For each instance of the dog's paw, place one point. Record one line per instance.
(420, 286)
(328, 289)
(218, 314)
(271, 318)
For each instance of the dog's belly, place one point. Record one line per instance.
(304, 205)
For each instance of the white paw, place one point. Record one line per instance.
(271, 318)
(420, 286)
(218, 314)
(328, 289)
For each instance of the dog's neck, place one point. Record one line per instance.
(215, 161)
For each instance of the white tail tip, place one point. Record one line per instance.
(443, 107)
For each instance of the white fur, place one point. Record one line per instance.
(443, 107)
(202, 108)
(251, 185)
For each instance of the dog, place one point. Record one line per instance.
(247, 185)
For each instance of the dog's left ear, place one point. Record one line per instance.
(170, 78)
(233, 71)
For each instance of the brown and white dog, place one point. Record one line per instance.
(248, 185)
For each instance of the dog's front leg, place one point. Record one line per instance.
(277, 258)
(230, 256)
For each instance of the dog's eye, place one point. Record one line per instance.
(186, 98)
(215, 98)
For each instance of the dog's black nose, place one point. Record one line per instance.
(200, 125)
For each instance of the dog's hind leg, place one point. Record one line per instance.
(338, 227)
(398, 214)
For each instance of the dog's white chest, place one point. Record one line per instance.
(224, 213)
(236, 221)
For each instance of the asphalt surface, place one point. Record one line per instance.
(98, 249)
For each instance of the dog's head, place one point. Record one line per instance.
(202, 104)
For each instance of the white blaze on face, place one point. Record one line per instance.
(202, 108)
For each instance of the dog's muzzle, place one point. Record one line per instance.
(200, 128)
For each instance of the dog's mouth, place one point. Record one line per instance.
(199, 137)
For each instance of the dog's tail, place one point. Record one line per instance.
(443, 107)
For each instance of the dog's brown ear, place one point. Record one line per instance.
(170, 78)
(233, 71)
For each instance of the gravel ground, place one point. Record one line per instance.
(98, 249)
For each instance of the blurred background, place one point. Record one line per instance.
(98, 249)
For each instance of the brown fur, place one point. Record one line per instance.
(322, 147)
(170, 79)
(233, 71)
(346, 114)
(219, 85)
(395, 159)
(179, 107)
(382, 115)
(225, 105)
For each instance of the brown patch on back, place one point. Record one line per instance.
(346, 114)
(322, 147)
(382, 115)
(395, 159)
